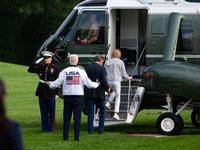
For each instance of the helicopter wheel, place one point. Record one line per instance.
(181, 124)
(195, 117)
(169, 124)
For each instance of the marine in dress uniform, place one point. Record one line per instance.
(73, 80)
(47, 97)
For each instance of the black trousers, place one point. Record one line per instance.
(72, 104)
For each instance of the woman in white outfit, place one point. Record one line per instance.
(115, 71)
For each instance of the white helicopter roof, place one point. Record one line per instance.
(122, 4)
(156, 6)
(153, 6)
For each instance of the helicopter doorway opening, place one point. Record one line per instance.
(130, 39)
(127, 32)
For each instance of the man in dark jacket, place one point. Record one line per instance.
(96, 96)
(47, 97)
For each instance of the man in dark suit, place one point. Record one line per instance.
(96, 96)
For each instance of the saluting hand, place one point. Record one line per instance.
(39, 60)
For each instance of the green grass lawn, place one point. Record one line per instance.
(22, 106)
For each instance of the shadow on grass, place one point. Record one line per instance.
(131, 128)
(141, 128)
(126, 128)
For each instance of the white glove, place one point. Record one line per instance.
(39, 60)
(56, 96)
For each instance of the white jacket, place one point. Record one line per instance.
(73, 80)
(115, 69)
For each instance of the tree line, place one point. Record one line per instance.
(26, 24)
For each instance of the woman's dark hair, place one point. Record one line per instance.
(4, 121)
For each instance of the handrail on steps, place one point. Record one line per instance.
(129, 87)
(129, 93)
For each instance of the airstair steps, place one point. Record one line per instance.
(131, 98)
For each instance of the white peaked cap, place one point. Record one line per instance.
(47, 53)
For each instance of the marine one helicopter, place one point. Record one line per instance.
(160, 45)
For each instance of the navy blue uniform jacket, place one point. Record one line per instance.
(96, 71)
(46, 73)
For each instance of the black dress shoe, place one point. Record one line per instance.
(100, 132)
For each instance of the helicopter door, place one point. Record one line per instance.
(130, 38)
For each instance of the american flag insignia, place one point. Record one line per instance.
(73, 80)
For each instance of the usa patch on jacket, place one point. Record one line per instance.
(73, 80)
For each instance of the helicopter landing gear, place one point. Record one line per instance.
(195, 117)
(170, 123)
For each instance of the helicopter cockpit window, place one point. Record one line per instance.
(65, 30)
(185, 40)
(57, 42)
(91, 28)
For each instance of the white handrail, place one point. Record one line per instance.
(129, 93)
(139, 58)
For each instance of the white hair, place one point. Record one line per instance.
(73, 59)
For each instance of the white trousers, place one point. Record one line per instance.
(116, 87)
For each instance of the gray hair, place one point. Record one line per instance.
(73, 59)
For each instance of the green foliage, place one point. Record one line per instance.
(36, 30)
(37, 6)
(22, 34)
(25, 25)
(10, 39)
(22, 106)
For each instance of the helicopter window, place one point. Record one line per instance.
(65, 30)
(185, 40)
(56, 43)
(91, 28)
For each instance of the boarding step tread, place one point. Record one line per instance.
(111, 119)
(127, 94)
(120, 111)
(126, 86)
(126, 102)
(133, 80)
(123, 102)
